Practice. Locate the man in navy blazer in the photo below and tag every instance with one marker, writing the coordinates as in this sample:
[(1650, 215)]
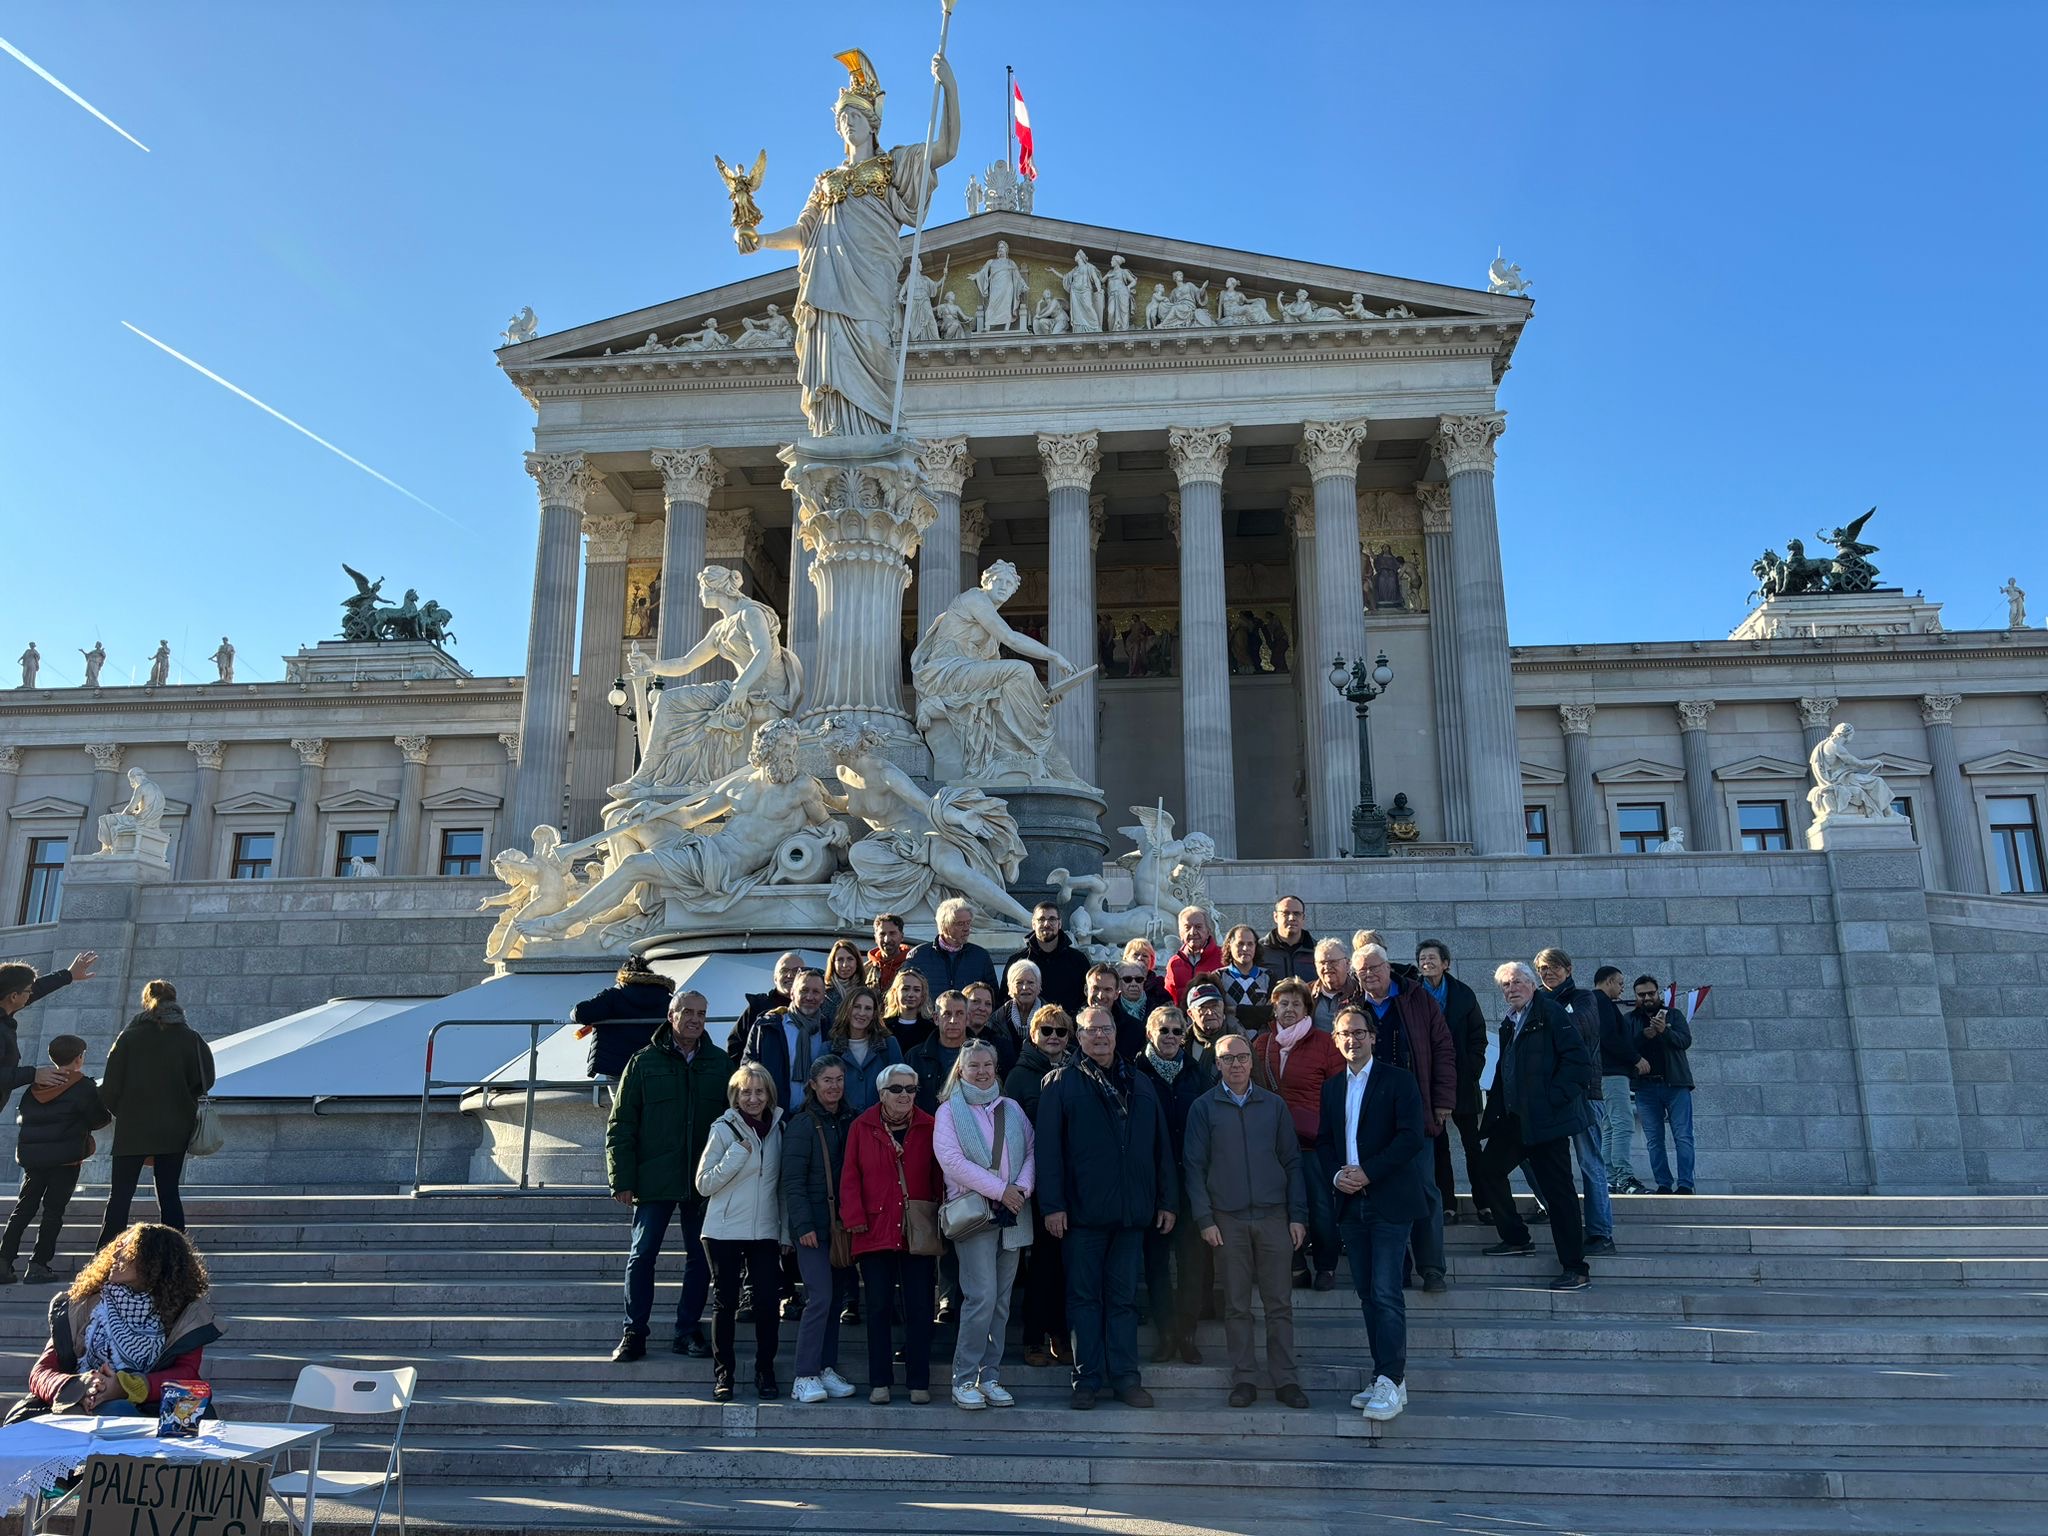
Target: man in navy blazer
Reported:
[(1373, 1132)]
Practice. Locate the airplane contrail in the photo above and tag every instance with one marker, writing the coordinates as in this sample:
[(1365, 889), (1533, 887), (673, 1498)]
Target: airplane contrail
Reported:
[(9, 48), (280, 415)]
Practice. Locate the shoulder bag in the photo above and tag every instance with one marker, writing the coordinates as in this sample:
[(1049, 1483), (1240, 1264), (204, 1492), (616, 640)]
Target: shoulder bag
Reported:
[(841, 1249), (920, 1217), (968, 1213), (207, 1135)]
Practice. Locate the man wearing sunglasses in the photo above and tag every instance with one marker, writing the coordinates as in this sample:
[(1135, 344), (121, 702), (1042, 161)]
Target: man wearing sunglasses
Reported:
[(1176, 1263), (1044, 1311)]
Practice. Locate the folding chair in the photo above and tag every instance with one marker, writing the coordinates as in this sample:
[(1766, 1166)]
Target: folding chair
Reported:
[(326, 1391)]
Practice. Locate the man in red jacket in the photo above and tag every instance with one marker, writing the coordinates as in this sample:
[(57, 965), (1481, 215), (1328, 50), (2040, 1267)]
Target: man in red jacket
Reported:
[(1198, 954), (1412, 1035)]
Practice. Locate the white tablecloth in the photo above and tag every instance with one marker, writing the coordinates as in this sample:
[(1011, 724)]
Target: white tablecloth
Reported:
[(35, 1453)]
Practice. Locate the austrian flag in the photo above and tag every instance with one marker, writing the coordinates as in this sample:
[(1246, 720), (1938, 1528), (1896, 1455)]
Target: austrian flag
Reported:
[(1026, 162)]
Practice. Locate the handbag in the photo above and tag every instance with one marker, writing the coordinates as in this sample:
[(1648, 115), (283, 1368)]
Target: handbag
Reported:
[(968, 1213), (920, 1217), (840, 1251), (207, 1135)]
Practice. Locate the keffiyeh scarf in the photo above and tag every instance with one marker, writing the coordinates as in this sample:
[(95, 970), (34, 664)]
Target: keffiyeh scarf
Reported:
[(123, 1331)]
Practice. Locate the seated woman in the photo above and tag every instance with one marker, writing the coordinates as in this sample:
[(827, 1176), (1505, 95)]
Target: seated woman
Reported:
[(135, 1318)]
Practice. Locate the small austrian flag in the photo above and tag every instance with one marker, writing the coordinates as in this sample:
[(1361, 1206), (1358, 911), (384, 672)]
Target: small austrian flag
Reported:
[(1027, 163), (1687, 1003)]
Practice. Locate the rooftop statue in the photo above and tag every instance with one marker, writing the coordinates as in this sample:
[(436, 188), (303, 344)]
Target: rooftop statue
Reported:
[(364, 618), (1852, 570), (1004, 300), (1236, 307), (224, 660), (1303, 310), (2015, 603), (1504, 276), (1119, 283), (1795, 575), (95, 659), (916, 297), (160, 665), (1845, 784), (1083, 282), (31, 664), (769, 332), (848, 258), (521, 327)]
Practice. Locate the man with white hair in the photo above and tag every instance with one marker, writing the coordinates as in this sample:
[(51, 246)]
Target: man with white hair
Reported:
[(761, 1004), (1336, 987), (1198, 955), (951, 960), (1536, 1106)]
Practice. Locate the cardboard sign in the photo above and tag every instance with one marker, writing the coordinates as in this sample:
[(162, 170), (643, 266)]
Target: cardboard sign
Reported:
[(136, 1496)]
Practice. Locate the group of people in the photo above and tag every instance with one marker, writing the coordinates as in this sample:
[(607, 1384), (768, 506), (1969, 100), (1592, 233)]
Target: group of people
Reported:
[(916, 1135)]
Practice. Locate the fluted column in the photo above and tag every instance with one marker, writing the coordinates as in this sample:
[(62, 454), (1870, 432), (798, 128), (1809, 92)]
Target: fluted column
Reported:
[(1706, 834), (1198, 456), (1310, 662), (1438, 564), (1330, 450), (947, 466), (109, 791), (195, 853), (302, 843), (688, 477), (565, 482), (1813, 720), (403, 856), (1589, 826), (803, 593), (1070, 461), (973, 534), (1962, 853), (10, 781), (1486, 684), (594, 767)]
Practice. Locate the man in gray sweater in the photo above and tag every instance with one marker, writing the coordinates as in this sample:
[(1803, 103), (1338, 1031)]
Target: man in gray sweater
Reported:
[(1247, 1198)]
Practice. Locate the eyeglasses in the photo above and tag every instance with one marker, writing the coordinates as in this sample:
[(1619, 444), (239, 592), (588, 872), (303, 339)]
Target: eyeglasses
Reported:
[(1168, 1029), (1130, 981), (899, 1088), (1235, 1057), (1052, 1034)]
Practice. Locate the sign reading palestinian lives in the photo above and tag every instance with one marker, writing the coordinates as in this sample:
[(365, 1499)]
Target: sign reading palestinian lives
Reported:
[(137, 1496)]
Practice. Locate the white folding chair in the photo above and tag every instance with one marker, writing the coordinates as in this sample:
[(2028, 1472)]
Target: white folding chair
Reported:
[(327, 1391)]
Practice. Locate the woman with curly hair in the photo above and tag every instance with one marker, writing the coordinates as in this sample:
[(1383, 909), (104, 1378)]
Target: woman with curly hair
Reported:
[(135, 1318)]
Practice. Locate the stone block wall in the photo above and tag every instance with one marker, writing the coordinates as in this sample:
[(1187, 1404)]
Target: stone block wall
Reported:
[(1991, 955)]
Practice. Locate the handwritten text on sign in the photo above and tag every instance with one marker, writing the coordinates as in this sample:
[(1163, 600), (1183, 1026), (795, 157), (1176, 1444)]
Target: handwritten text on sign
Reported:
[(131, 1496)]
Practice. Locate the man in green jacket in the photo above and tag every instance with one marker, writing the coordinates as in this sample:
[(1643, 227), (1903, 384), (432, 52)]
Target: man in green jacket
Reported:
[(668, 1096)]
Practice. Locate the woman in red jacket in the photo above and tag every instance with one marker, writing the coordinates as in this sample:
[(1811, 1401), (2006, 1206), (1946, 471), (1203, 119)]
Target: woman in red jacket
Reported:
[(1295, 1059), (889, 1160), (135, 1318)]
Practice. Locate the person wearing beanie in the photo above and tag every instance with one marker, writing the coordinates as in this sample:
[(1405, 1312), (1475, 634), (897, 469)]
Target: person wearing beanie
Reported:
[(57, 1122), (623, 1017)]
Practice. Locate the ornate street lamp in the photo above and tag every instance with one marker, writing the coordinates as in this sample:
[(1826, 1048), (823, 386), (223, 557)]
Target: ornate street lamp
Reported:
[(1368, 821), (622, 707)]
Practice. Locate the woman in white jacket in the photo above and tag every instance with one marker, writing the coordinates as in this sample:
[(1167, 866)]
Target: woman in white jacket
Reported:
[(983, 1143), (740, 1174)]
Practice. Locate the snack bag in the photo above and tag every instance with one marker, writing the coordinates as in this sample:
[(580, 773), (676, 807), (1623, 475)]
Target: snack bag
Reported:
[(183, 1405)]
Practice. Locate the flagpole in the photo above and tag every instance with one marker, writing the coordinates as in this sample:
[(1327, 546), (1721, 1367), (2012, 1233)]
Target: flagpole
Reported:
[(931, 129), (1009, 114)]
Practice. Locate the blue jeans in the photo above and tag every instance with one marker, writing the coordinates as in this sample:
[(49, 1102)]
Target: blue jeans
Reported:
[(650, 1226), (1593, 1175), (1621, 1128), (1319, 1253), (1660, 1105), (1102, 1304), (1376, 1249)]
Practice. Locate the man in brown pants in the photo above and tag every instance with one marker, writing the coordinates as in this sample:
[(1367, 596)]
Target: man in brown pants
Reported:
[(1247, 1198)]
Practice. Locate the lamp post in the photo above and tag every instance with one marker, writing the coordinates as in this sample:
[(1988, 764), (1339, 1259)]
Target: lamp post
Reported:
[(1368, 821), (618, 699)]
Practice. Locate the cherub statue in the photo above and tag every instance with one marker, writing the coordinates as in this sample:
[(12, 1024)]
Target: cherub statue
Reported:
[(1356, 310), (1166, 877), (537, 885), (741, 186)]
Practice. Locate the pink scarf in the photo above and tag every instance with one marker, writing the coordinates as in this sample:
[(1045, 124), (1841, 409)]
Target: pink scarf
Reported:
[(1292, 1036)]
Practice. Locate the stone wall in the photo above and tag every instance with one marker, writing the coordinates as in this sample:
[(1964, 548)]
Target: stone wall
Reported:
[(1989, 957)]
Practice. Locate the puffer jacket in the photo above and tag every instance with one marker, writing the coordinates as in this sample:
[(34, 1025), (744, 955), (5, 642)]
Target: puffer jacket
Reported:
[(740, 1176), (57, 1124), (1309, 1065), (813, 1151), (621, 1020), (662, 1117)]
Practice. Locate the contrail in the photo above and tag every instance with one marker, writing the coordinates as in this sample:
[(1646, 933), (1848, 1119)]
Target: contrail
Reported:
[(280, 415), (9, 48)]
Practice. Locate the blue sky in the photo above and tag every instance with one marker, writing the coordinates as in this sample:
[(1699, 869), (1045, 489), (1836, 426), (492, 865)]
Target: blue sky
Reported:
[(1785, 259)]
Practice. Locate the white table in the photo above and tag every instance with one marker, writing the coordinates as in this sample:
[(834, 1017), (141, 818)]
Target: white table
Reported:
[(64, 1442)]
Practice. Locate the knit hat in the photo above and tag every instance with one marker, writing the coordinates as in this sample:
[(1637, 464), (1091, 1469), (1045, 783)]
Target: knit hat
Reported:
[(66, 1049)]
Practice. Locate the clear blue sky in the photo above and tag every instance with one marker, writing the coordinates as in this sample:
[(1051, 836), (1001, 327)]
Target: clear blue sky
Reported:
[(1786, 258)]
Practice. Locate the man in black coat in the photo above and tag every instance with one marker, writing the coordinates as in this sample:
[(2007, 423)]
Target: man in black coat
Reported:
[(1105, 1178), (623, 1017), (1062, 969), (1467, 1020), (1177, 1273), (1289, 949), (950, 961), (1596, 1017), (1536, 1106), (788, 1040), (20, 986), (761, 1004), (1370, 1146)]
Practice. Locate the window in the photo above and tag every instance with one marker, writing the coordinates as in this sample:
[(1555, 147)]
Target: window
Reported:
[(2016, 839), (349, 846), (1903, 806), (1765, 826), (44, 887), (1536, 828), (255, 856), (462, 851), (1642, 827)]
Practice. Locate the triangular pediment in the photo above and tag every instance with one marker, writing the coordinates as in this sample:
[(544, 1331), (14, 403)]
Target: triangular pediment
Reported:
[(359, 800), (253, 804), (1640, 770), (661, 335), (46, 808), (1898, 765), (1536, 773), (463, 798), (2008, 762), (1762, 767)]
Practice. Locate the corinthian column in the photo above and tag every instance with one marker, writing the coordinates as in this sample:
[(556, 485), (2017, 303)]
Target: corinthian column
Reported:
[(302, 846), (595, 764), (688, 477), (1438, 563), (109, 793), (565, 482), (1707, 833), (403, 857), (1813, 720), (973, 534), (947, 465), (1962, 854), (1198, 456), (803, 592), (1070, 461), (195, 854), (1589, 827), (1308, 668), (1486, 685), (1330, 450)]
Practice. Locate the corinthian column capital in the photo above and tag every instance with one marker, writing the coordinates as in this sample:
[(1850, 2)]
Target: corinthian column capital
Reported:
[(1301, 513), (973, 526), (562, 477), (1330, 448), (1576, 719), (1692, 713), (413, 749), (1814, 712), (687, 474), (106, 756), (1466, 442), (947, 464), (211, 754), (1939, 708), (509, 740), (732, 534), (1435, 501), (608, 534), (1198, 454), (312, 751), (1070, 459), (10, 759)]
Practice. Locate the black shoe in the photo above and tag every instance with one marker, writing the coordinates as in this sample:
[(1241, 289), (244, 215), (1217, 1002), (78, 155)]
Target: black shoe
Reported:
[(1292, 1396), (1168, 1348), (1303, 1279), (792, 1309), (1541, 1218), (766, 1387), (632, 1346), (1665, 1189), (1189, 1354), (7, 1274), (1572, 1280), (694, 1344), (1484, 1218), (1599, 1245), (1326, 1279), (1434, 1283), (944, 1317), (1134, 1396), (850, 1313), (1451, 1217), (1633, 1186), (1509, 1250), (1243, 1395), (1084, 1397), (1683, 1189), (721, 1388)]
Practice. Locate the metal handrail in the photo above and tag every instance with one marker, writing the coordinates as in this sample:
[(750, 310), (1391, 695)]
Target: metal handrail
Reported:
[(533, 1083)]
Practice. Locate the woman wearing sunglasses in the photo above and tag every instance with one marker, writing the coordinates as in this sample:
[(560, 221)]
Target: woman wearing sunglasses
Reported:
[(890, 1165), (1045, 1277)]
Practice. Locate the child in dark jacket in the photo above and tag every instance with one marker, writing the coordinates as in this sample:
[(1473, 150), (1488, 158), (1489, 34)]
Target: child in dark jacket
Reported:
[(57, 1123)]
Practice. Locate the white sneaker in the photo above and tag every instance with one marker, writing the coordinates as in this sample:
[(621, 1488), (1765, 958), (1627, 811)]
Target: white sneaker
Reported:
[(1403, 1390), (1360, 1399), (969, 1397), (808, 1389), (997, 1395), (1384, 1401), (835, 1384)]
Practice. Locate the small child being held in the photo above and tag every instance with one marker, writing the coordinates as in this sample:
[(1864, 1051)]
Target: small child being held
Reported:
[(57, 1123)]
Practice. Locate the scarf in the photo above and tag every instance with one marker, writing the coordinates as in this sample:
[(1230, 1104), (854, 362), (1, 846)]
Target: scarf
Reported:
[(974, 1133), (123, 1331), (1287, 1039), (761, 1125), (1167, 1070), (1114, 1083), (1437, 991)]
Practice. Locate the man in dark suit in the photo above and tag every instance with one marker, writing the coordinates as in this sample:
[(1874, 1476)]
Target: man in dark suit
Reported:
[(1370, 1145), (1536, 1106)]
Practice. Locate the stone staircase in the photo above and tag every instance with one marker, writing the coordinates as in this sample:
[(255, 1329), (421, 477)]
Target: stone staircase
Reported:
[(1744, 1364)]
